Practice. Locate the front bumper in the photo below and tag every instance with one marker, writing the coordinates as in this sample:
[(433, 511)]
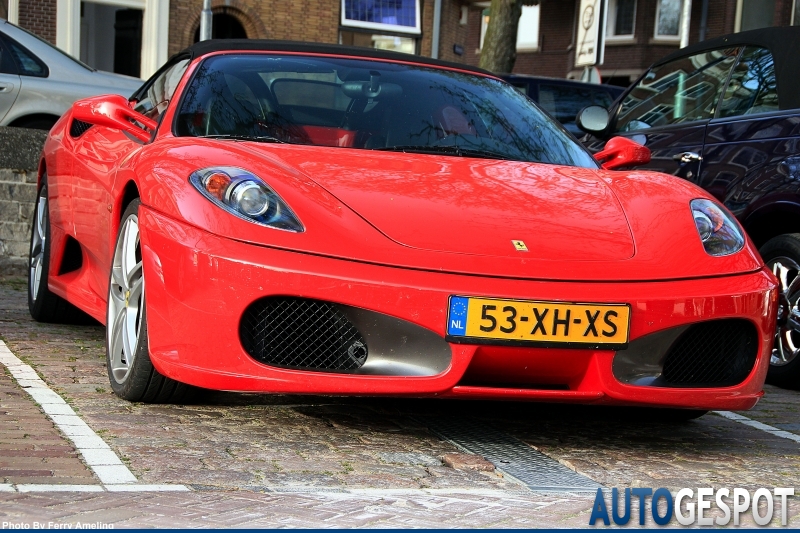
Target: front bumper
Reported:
[(198, 286)]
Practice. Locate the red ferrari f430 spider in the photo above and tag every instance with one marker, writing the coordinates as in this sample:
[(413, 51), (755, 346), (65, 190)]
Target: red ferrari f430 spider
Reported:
[(288, 218)]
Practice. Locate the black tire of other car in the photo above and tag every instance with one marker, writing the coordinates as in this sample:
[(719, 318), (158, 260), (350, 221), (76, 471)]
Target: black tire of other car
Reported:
[(130, 370), (43, 305), (782, 256), (37, 123)]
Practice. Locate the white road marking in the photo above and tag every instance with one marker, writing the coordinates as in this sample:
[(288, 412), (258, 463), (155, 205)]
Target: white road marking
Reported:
[(97, 455), (758, 425), (29, 487), (128, 487)]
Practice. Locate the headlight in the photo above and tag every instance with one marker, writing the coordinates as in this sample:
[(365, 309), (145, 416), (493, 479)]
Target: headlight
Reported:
[(720, 233), (243, 194)]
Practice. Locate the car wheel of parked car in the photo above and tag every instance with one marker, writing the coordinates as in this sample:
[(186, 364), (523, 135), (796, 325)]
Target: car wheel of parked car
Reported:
[(130, 370), (41, 123), (782, 255), (43, 304)]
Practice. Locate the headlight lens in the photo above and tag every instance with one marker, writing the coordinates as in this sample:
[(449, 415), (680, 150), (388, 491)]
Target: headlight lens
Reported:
[(719, 232), (245, 195)]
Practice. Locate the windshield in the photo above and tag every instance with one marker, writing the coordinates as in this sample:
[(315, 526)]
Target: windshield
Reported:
[(372, 105)]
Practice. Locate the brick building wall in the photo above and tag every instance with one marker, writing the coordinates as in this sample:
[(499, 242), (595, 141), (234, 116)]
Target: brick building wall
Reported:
[(555, 56), (307, 20), (452, 32), (4, 9), (39, 16), (318, 21)]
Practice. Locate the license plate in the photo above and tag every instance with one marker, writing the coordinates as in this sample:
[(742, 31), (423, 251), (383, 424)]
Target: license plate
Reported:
[(474, 320)]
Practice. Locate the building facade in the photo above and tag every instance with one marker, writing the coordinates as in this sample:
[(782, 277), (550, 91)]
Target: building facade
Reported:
[(136, 36), (638, 32)]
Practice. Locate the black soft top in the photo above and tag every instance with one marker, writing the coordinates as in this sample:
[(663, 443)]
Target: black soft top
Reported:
[(784, 44), (263, 45)]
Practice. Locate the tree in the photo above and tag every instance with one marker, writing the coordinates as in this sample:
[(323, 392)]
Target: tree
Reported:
[(499, 50)]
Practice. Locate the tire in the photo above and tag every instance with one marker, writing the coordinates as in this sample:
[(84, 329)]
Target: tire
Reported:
[(782, 256), (43, 305), (130, 370), (41, 123)]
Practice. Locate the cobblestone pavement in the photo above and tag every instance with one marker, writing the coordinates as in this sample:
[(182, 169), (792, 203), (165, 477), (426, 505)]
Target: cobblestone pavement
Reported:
[(277, 460)]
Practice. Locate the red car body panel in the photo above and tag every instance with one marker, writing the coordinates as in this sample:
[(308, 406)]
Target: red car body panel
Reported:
[(206, 355), (398, 234)]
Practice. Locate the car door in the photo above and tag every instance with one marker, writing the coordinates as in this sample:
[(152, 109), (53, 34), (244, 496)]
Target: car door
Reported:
[(669, 108), (9, 81), (752, 152)]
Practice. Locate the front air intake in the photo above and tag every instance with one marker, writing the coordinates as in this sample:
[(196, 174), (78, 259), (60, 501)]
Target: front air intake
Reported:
[(717, 353), (303, 334)]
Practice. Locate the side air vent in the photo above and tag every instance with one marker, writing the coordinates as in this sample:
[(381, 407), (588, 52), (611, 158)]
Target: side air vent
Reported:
[(78, 128), (72, 259), (303, 334), (717, 353)]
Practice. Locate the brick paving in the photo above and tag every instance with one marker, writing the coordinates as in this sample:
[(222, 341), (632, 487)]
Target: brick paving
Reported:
[(237, 450), (31, 449), (250, 509)]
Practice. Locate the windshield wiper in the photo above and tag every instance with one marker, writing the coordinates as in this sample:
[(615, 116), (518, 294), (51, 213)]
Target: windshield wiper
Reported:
[(446, 150), (254, 138)]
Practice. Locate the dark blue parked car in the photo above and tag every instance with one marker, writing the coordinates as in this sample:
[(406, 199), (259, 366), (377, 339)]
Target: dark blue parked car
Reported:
[(725, 114), (563, 99)]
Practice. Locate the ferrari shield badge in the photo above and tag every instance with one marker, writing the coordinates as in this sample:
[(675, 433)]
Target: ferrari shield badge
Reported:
[(519, 246)]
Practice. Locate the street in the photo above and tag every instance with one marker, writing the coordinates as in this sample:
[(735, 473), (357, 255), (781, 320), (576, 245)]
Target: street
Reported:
[(235, 460)]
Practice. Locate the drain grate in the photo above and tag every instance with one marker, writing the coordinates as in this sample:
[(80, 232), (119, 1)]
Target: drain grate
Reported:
[(510, 456)]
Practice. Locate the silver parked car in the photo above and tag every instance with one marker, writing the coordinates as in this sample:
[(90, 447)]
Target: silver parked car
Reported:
[(38, 82)]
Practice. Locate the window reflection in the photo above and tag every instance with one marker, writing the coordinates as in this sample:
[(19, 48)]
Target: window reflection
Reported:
[(683, 90), (753, 87)]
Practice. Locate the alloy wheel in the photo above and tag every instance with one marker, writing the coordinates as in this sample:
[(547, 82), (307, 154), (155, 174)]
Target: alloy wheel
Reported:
[(38, 240), (787, 333), (125, 301)]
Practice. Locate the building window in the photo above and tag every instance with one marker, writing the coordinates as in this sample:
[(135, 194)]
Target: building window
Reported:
[(386, 15), (527, 31), (621, 19), (668, 19), (754, 14)]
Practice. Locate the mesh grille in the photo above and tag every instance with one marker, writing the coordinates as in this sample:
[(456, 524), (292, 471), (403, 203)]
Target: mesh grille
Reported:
[(718, 353), (78, 128), (301, 333)]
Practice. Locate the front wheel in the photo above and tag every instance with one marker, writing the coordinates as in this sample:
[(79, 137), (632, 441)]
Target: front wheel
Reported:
[(130, 370), (782, 256)]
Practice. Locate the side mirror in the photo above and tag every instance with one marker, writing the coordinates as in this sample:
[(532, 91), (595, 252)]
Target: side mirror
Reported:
[(622, 152), (113, 111), (593, 119)]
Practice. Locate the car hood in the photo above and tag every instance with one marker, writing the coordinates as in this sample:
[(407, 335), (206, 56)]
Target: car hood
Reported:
[(480, 206), (450, 214)]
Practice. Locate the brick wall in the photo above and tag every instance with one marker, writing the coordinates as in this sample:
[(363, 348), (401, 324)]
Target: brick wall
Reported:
[(39, 16), (452, 32), (17, 196), (299, 20), (555, 56), (18, 162)]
